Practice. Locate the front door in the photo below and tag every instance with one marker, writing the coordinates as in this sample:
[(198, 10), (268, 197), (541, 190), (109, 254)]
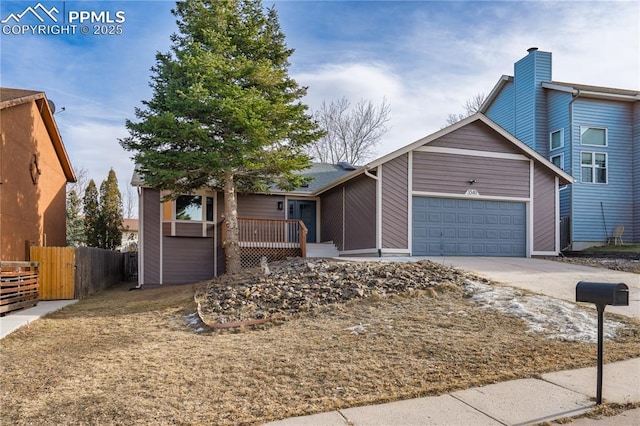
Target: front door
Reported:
[(304, 210)]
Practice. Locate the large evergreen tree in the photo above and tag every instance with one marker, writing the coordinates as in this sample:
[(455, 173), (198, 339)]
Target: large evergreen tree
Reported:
[(75, 222), (110, 212), (224, 112), (92, 222)]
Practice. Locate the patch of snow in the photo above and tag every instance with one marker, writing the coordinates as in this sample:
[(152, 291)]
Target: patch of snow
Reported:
[(192, 319), (357, 329), (558, 319)]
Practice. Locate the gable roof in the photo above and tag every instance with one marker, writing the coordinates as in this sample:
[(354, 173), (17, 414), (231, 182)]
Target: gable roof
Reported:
[(12, 97), (565, 178)]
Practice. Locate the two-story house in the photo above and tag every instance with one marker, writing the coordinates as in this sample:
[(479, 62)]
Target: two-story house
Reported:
[(592, 133), (34, 172)]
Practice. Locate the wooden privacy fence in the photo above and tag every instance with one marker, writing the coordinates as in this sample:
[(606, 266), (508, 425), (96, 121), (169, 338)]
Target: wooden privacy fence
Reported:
[(18, 285), (96, 270), (75, 273), (56, 271), (274, 239)]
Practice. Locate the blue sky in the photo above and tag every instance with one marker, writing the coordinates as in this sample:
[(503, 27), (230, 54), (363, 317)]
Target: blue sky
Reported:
[(425, 57)]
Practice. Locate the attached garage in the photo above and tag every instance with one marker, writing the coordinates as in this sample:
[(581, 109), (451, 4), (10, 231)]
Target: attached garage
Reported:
[(471, 189), (462, 227)]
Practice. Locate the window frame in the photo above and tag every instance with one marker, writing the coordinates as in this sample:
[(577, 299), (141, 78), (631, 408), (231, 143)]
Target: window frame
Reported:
[(169, 215), (561, 155), (561, 131), (203, 207), (594, 168), (174, 206), (606, 136)]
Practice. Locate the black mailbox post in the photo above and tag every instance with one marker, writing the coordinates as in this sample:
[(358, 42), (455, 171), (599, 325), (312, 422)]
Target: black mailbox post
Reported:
[(602, 294)]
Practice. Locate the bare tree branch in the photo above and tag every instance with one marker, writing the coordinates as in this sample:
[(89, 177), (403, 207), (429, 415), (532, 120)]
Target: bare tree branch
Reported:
[(470, 106), (129, 202), (351, 133)]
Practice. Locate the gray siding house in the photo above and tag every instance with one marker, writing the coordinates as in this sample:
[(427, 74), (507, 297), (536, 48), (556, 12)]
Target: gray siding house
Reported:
[(471, 189)]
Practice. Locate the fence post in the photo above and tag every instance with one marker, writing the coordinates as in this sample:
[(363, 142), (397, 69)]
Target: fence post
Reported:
[(303, 238)]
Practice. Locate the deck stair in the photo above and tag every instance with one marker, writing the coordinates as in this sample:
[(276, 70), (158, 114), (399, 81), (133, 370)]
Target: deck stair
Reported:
[(327, 249)]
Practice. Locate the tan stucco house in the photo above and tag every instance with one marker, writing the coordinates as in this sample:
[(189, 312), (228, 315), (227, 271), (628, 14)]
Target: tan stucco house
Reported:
[(34, 171)]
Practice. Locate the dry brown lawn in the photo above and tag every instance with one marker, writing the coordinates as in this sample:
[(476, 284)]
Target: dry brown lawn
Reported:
[(129, 357)]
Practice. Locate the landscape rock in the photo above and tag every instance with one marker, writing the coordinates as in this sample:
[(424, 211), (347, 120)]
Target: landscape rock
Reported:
[(297, 285)]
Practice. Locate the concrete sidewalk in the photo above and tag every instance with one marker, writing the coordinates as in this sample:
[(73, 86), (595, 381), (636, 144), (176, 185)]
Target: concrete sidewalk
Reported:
[(11, 322), (517, 402)]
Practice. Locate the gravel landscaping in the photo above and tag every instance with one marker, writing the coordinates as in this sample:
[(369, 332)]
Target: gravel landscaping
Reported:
[(617, 264)]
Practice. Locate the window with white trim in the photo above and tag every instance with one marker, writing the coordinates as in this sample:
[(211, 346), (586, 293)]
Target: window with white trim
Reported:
[(558, 160), (593, 167), (593, 136), (190, 208), (556, 139)]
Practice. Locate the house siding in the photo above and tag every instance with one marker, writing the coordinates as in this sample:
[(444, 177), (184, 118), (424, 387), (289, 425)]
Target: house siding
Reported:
[(29, 212), (151, 235), (544, 201), (260, 206), (502, 108), (185, 229), (449, 173), (530, 108), (636, 172), (395, 203), (331, 212), (187, 260), (360, 213), (475, 136), (559, 117), (598, 208)]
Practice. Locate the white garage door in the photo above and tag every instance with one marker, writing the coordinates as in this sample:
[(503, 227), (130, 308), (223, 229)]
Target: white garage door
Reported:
[(451, 227)]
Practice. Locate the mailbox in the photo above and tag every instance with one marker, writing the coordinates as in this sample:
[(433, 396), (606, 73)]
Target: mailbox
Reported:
[(603, 294)]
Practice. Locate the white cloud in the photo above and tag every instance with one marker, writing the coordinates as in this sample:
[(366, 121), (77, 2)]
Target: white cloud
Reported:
[(94, 146)]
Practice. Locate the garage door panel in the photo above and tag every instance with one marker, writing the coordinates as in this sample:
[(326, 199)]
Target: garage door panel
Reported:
[(468, 227), (491, 219), (449, 218), (451, 233), (464, 233), (478, 234), (506, 234), (489, 249), (464, 218)]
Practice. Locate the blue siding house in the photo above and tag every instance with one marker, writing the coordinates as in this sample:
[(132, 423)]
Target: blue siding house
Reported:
[(592, 133)]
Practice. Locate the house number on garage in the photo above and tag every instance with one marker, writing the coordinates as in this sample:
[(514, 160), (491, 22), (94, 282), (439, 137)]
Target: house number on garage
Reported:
[(472, 192)]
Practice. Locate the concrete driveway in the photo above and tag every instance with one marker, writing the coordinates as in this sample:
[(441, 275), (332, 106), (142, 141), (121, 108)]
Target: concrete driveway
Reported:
[(556, 279)]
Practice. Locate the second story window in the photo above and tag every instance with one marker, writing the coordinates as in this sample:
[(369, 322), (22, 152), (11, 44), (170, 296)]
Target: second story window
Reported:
[(189, 207), (556, 139), (558, 161), (593, 167), (594, 136)]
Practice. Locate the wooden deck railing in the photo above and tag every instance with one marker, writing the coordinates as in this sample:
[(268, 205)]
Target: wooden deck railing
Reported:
[(272, 238), (18, 285)]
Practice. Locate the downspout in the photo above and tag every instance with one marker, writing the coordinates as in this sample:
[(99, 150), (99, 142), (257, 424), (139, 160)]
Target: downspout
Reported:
[(140, 239), (574, 96), (378, 207)]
